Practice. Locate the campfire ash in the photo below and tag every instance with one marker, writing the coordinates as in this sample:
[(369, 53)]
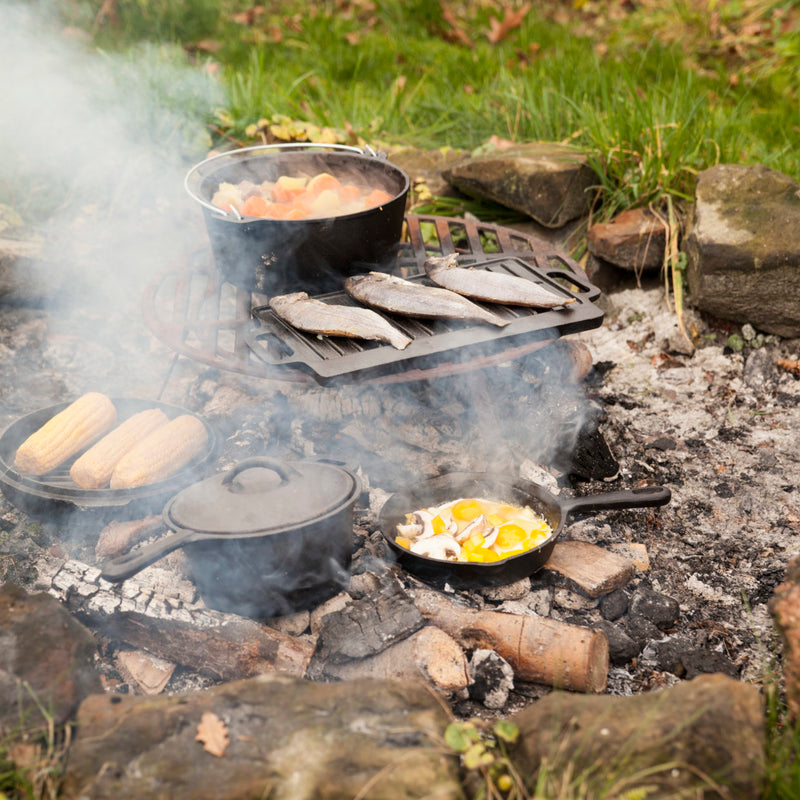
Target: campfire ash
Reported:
[(524, 412)]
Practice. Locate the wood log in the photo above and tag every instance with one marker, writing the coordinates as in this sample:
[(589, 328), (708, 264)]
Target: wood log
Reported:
[(430, 655), (596, 570), (225, 646), (539, 650), (237, 648)]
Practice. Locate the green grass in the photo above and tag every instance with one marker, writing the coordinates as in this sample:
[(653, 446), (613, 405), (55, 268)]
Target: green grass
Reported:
[(653, 96)]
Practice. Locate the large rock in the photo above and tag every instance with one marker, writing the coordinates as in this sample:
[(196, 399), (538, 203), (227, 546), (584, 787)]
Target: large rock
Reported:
[(549, 182), (283, 738), (784, 606), (46, 661), (743, 248), (634, 240), (701, 738)]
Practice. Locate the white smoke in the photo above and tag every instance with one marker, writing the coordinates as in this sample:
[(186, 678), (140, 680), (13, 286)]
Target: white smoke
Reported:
[(94, 150)]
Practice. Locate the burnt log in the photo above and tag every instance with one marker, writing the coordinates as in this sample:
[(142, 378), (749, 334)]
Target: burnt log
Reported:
[(222, 646), (429, 655)]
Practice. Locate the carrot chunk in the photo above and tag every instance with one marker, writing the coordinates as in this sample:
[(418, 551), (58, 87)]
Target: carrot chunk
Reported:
[(254, 206), (287, 188), (349, 192), (323, 182), (377, 197)]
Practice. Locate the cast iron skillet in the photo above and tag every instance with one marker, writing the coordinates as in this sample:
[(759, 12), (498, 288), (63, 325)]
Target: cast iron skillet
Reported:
[(55, 493), (556, 510)]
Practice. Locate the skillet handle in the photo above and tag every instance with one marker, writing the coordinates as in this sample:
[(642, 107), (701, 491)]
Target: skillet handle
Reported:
[(642, 497), (122, 567)]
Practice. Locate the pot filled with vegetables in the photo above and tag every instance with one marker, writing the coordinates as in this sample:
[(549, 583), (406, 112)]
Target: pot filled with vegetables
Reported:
[(299, 217), (488, 528)]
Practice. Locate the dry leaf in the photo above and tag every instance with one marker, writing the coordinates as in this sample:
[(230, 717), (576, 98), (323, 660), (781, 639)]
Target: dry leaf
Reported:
[(208, 45), (789, 365), (501, 28), (456, 32), (213, 733)]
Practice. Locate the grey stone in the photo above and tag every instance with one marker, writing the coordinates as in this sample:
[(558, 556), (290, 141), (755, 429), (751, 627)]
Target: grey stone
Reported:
[(760, 372), (492, 678), (702, 661), (506, 592), (621, 647), (549, 182), (641, 629), (614, 605), (671, 739), (743, 248)]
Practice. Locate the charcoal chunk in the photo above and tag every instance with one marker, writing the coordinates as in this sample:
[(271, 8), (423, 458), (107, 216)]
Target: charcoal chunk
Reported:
[(614, 605), (661, 610)]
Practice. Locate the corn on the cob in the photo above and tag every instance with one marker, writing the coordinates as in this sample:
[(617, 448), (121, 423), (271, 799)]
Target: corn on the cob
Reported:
[(161, 454), (93, 469), (66, 433)]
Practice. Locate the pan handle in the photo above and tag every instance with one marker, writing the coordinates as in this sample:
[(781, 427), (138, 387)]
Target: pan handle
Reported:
[(644, 496), (122, 567)]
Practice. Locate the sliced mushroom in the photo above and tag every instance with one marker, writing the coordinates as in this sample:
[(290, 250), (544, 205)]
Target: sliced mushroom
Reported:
[(476, 526), (442, 546), (425, 517), (490, 536), (411, 530)]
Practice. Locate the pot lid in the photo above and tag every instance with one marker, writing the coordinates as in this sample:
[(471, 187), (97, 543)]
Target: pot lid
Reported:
[(261, 496)]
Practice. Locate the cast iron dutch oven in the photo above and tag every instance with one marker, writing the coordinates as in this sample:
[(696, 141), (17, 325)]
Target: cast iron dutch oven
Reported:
[(556, 510), (264, 538), (313, 255)]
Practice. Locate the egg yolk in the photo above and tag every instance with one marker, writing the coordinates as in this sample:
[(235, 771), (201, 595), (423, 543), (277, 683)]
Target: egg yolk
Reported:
[(483, 554), (510, 535), (467, 509)]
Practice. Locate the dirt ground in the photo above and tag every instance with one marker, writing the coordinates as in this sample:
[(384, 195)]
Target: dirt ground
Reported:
[(720, 428)]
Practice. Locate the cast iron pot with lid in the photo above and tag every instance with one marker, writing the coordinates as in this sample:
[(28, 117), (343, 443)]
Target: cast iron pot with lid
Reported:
[(262, 539), (555, 510), (277, 256)]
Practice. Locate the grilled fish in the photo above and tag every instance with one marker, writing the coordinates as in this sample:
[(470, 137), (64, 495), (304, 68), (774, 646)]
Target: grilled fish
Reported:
[(398, 296), (491, 287), (314, 316)]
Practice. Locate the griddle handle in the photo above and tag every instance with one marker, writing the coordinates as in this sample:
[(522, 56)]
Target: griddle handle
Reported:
[(643, 497), (124, 566)]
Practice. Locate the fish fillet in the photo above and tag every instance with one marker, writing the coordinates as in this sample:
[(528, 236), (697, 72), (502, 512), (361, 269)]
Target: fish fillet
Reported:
[(491, 287), (314, 316), (398, 296)]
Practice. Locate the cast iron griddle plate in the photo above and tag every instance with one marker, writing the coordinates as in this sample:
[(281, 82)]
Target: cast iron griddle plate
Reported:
[(328, 357), (57, 484)]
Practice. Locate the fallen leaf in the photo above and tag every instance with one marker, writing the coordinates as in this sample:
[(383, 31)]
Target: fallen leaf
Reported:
[(456, 31), (208, 45), (499, 29), (213, 733), (789, 365)]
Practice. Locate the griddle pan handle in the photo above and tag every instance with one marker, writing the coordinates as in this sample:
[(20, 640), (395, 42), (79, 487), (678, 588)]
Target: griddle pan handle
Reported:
[(122, 567), (642, 497)]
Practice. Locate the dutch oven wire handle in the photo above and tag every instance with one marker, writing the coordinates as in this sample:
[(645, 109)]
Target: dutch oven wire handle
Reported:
[(285, 472), (642, 497)]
